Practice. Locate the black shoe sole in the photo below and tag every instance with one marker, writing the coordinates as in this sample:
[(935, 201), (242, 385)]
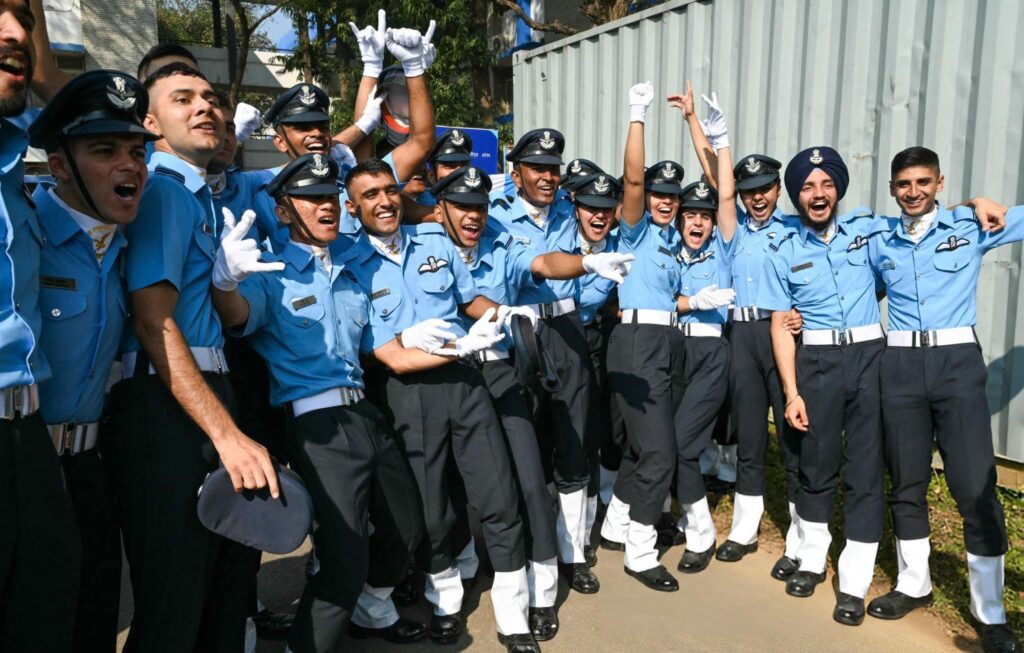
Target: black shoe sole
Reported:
[(744, 549), (696, 570), (841, 618), (894, 617), (358, 632), (657, 588), (804, 596), (445, 641), (609, 545)]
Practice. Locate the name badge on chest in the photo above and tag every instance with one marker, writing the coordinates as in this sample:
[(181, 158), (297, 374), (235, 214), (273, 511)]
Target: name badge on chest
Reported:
[(58, 283), (377, 294), (304, 302), (802, 266)]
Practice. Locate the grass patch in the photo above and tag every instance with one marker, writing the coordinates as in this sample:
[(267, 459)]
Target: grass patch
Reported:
[(948, 558)]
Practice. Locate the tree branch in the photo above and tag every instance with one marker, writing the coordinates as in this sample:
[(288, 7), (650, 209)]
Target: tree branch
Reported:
[(557, 27), (280, 5)]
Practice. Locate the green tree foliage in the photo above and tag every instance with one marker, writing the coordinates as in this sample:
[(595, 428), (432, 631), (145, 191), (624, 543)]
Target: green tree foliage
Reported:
[(190, 22)]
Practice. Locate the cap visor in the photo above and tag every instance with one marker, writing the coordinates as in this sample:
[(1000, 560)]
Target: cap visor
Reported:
[(325, 188), (453, 157), (757, 181), (466, 198), (670, 189), (112, 126), (541, 159), (597, 201), (305, 116), (698, 204)]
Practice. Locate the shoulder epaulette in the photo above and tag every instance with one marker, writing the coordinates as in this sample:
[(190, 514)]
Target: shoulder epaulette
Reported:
[(774, 246), (427, 228), (963, 213), (174, 174), (501, 201), (502, 239), (857, 214)]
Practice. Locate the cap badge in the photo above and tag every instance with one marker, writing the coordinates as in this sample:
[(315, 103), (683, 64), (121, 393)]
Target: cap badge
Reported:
[(702, 191), (546, 141), (320, 167), (472, 178), (816, 157), (306, 96), (668, 172), (457, 138), (601, 185), (120, 96), (576, 167), (753, 165)]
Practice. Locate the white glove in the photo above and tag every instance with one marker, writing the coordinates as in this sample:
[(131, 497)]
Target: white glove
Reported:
[(238, 256), (371, 44), (247, 121), (640, 98), (344, 157), (484, 334), (371, 113), (486, 326), (408, 46), (609, 265), (427, 335), (714, 125), (429, 51), (506, 312), (710, 297)]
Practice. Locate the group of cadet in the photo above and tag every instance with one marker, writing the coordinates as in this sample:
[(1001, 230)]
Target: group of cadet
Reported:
[(530, 348)]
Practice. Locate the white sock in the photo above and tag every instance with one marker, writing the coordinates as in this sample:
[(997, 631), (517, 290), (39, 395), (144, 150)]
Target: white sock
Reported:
[(915, 578), (813, 553), (571, 526), (857, 567), (793, 534), (986, 578), (616, 521), (543, 581), (444, 591), (746, 518), (467, 561), (374, 608), (510, 596), (607, 483), (591, 517), (641, 551), (700, 527)]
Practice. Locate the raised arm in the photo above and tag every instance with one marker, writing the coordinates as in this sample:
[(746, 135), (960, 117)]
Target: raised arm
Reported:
[(633, 205), (718, 137), (372, 43), (410, 47), (705, 153)]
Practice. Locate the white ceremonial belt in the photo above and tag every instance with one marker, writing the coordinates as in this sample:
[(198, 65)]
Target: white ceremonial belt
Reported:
[(749, 314), (486, 355), (327, 399), (554, 309), (933, 337), (73, 438), (701, 330), (18, 400), (649, 316), (843, 336), (208, 359)]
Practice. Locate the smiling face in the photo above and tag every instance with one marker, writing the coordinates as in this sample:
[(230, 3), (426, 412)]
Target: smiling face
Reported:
[(663, 207), (375, 201), (319, 214), (915, 189), (186, 113), (760, 203), (696, 226), (113, 170), (818, 199), (222, 160), (17, 55), (296, 139), (463, 222), (538, 183), (595, 223)]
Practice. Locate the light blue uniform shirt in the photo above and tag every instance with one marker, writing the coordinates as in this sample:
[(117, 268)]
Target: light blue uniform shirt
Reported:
[(710, 265), (500, 269), (654, 279), (832, 285), (595, 289), (750, 249), (508, 215), (310, 325), (21, 361), (933, 284), (172, 239), (431, 281), (243, 191), (84, 312)]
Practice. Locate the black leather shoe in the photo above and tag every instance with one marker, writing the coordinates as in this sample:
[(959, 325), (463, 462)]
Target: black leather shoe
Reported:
[(522, 643), (403, 631), (445, 630), (802, 583), (272, 626), (694, 562), (657, 578), (581, 578), (590, 555), (896, 605), (612, 545), (734, 551), (784, 568), (849, 610), (999, 639), (543, 623), (407, 591)]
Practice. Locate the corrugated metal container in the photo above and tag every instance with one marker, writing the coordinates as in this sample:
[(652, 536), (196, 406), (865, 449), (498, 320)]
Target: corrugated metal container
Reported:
[(869, 77)]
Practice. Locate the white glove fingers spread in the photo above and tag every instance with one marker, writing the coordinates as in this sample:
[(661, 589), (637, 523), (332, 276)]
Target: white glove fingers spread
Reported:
[(430, 32)]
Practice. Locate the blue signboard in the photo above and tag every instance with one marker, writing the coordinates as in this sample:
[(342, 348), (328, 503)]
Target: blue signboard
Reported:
[(485, 147)]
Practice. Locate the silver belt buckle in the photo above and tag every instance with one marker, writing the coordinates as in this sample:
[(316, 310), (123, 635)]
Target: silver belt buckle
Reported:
[(222, 363), (480, 356), (8, 395), (926, 338), (748, 313), (63, 436), (349, 396), (674, 319), (20, 400), (546, 310), (842, 337)]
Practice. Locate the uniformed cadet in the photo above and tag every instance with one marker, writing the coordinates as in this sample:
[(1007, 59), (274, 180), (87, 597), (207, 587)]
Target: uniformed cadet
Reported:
[(541, 217), (753, 378), (169, 421), (92, 132), (578, 169), (413, 273), (831, 379), (39, 551), (933, 381), (645, 352), (501, 267), (452, 150)]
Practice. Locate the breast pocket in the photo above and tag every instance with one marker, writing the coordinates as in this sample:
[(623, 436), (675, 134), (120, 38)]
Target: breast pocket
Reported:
[(952, 260), (891, 274), (438, 282), (65, 339), (808, 284), (205, 242), (305, 324), (857, 256), (386, 303)]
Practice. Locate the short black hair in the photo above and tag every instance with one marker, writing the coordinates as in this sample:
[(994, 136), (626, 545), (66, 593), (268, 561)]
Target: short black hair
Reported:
[(225, 102), (913, 157), (369, 167), (165, 50), (171, 69)]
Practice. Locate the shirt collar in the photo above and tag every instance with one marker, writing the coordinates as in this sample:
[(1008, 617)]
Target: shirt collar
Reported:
[(54, 217), (193, 181), (298, 254), (807, 232), (13, 142)]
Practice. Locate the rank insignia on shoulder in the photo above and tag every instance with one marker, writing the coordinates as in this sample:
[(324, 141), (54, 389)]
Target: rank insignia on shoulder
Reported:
[(771, 235), (951, 244), (802, 266), (377, 294), (433, 265), (858, 242), (58, 283), (304, 302)]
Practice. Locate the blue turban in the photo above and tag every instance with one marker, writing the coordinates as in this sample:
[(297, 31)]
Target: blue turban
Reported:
[(803, 164)]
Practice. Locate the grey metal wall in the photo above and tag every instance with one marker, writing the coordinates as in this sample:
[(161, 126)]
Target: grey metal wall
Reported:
[(869, 77)]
